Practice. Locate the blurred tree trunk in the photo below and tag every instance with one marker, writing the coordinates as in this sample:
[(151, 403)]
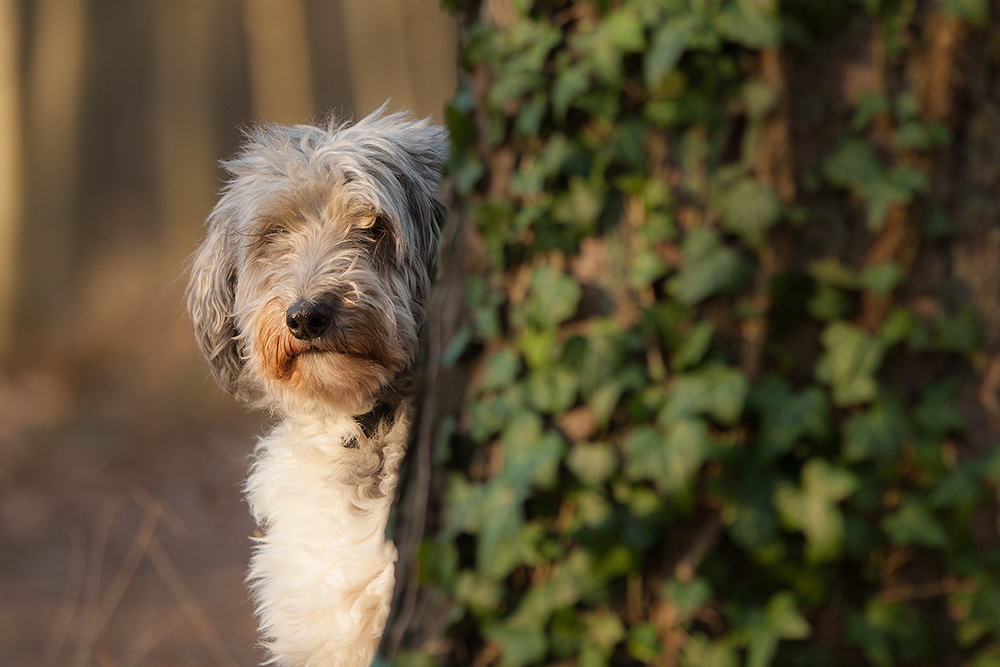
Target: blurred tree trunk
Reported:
[(376, 53), (185, 107), (52, 122), (281, 86), (11, 195), (405, 48)]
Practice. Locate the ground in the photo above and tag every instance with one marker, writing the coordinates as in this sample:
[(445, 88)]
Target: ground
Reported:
[(125, 535)]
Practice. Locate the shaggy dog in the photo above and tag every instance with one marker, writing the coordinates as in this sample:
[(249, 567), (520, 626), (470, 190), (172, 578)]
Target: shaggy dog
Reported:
[(306, 298)]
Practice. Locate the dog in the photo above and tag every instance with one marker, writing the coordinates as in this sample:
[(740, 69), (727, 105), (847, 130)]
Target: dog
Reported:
[(306, 297)]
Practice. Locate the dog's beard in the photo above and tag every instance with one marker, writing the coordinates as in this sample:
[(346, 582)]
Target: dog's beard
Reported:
[(343, 370)]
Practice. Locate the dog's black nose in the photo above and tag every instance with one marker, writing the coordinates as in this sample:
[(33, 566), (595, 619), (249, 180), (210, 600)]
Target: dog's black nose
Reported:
[(308, 319)]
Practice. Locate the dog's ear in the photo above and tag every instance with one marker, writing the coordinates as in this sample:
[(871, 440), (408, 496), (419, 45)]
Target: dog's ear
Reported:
[(210, 297)]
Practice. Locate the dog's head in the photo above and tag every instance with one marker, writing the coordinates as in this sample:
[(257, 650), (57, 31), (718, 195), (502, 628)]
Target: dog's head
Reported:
[(307, 292)]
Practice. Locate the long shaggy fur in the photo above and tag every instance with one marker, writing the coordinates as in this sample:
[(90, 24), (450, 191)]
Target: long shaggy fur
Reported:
[(347, 217)]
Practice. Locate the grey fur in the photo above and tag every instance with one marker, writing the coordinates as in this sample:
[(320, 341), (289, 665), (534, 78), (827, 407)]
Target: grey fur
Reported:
[(294, 221)]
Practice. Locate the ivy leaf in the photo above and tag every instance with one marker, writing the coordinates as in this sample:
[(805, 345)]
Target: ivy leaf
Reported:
[(669, 460), (709, 268), (500, 518), (592, 463), (694, 346), (667, 47), (882, 279), (606, 43), (749, 24), (976, 12), (781, 620), (521, 644), (880, 196), (700, 651), (937, 413), (849, 362), (644, 643), (748, 209), (786, 417), (501, 369), (687, 596), (718, 391), (875, 434), (531, 455), (812, 508), (570, 83), (915, 523), (552, 298), (552, 389), (854, 164)]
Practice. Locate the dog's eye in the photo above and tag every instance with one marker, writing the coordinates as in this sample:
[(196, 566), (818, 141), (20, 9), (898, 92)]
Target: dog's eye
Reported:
[(378, 232), (273, 232), (379, 237)]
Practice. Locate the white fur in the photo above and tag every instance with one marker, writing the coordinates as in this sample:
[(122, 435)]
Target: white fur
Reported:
[(322, 572)]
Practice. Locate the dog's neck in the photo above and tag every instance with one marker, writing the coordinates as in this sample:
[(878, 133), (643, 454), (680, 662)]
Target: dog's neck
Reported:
[(380, 419), (383, 411)]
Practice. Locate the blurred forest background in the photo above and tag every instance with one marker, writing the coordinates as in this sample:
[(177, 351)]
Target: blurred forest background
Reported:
[(125, 535)]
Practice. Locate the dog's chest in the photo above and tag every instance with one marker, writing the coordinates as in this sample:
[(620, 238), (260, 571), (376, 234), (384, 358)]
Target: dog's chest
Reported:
[(322, 571)]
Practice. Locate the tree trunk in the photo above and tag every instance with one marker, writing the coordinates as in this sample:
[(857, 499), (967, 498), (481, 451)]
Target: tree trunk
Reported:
[(11, 195), (729, 388)]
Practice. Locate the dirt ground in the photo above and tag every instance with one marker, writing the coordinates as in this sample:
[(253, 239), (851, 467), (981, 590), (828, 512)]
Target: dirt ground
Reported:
[(124, 534)]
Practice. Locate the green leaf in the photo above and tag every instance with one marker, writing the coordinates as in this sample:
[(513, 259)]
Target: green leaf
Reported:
[(604, 629), (856, 167), (687, 596), (914, 523), (812, 508), (501, 369), (869, 106), (786, 417), (552, 298), (693, 348), (547, 163), (670, 460), (937, 413), (752, 521), (531, 455), (520, 645), (875, 434), (976, 12), (781, 620), (500, 517), (569, 84), (880, 196), (709, 268), (959, 332), (606, 43), (700, 651), (552, 389), (853, 165), (716, 390), (749, 23), (747, 209), (882, 279), (849, 363), (668, 45), (592, 463), (644, 643)]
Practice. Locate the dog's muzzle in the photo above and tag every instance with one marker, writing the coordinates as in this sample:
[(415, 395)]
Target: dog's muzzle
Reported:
[(308, 320)]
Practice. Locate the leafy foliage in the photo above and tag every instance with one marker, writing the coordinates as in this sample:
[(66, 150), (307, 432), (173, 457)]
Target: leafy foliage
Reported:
[(717, 414)]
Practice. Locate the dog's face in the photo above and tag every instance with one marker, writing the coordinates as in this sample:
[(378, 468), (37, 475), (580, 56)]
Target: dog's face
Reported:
[(307, 293)]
